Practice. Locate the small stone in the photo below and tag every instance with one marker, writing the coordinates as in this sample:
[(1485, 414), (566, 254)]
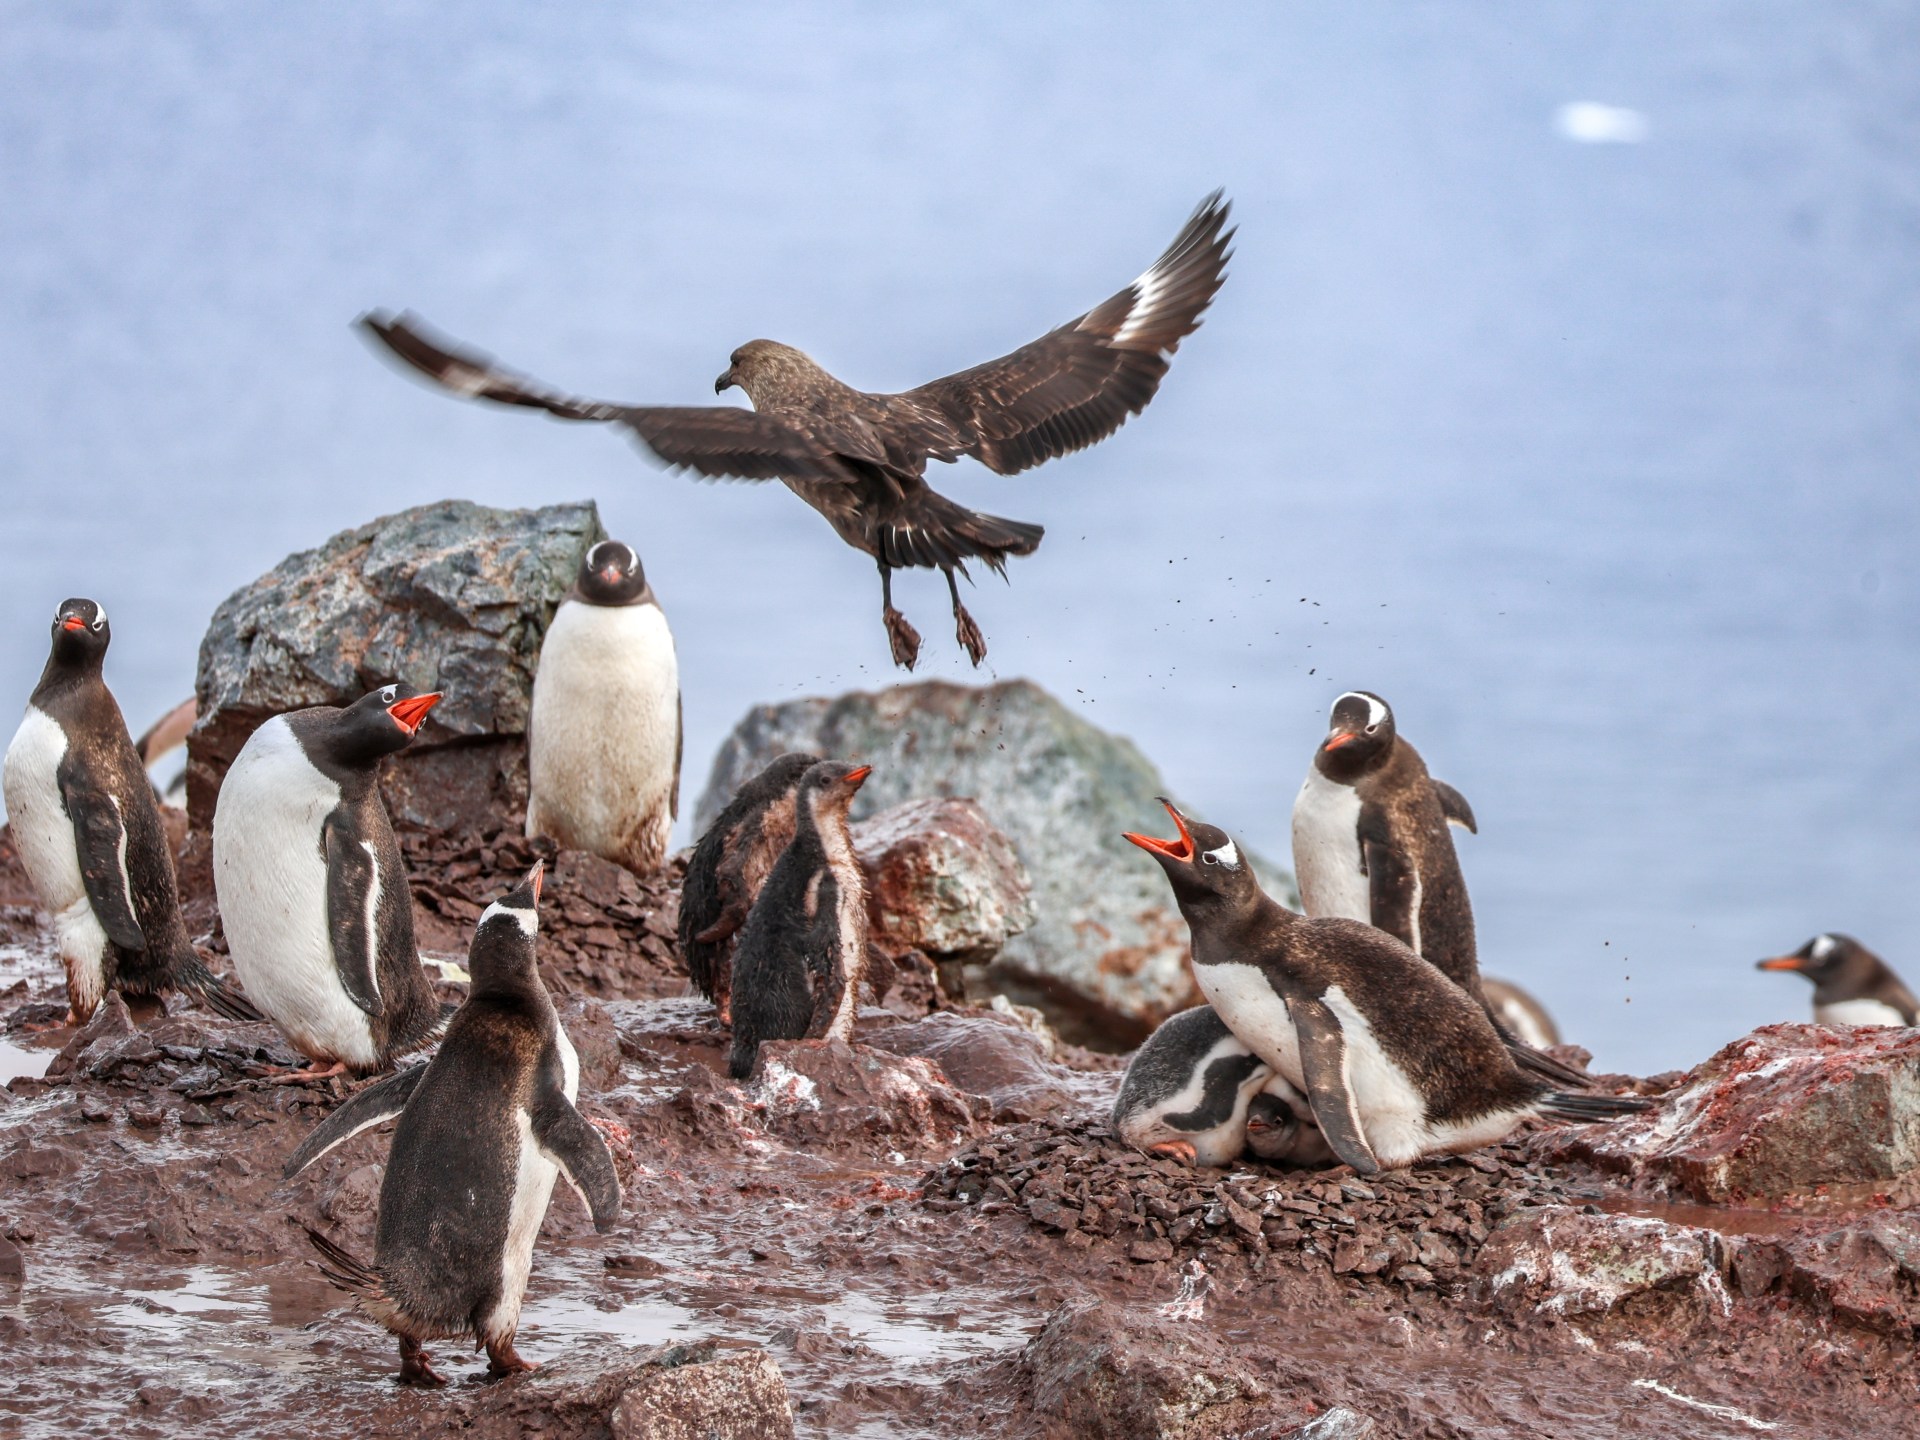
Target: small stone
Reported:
[(1149, 1250)]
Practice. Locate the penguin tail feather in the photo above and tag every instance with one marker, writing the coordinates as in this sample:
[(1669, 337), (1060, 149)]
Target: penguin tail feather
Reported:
[(216, 992), (1593, 1107), (344, 1271), (1539, 1063)]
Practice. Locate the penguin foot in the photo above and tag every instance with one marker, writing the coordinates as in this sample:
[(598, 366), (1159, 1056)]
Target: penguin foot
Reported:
[(901, 635), (415, 1368), (503, 1360), (968, 634), (308, 1075), (1181, 1150)]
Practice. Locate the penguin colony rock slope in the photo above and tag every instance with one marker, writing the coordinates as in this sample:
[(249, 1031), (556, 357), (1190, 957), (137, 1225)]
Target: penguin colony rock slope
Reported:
[(1395, 1059), (727, 868), (1189, 1093), (604, 739), (1371, 842), (84, 815), (803, 949), (311, 885), (486, 1127), (860, 459), (1851, 984)]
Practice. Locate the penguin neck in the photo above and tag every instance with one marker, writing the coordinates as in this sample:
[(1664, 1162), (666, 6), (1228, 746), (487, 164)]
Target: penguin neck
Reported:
[(71, 676), (822, 833), (512, 981), (1226, 931)]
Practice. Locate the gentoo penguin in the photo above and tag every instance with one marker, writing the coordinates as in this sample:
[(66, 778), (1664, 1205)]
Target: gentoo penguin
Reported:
[(1371, 843), (803, 950), (84, 815), (1396, 1060), (1281, 1128), (604, 740), (485, 1128), (311, 886), (729, 866), (1187, 1088), (1851, 984), (1517, 1013)]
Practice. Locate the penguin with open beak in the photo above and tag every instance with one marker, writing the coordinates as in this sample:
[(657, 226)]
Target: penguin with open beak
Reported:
[(1395, 1060)]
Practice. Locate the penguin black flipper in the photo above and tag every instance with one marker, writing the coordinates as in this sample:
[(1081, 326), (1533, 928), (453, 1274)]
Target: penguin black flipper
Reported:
[(1454, 806), (1538, 1062), (563, 1133), (216, 992), (1323, 1061), (352, 887), (100, 836), (379, 1102), (1392, 891)]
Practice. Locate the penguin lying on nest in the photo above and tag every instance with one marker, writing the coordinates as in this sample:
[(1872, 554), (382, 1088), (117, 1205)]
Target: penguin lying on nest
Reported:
[(486, 1127), (727, 869), (803, 950), (87, 823), (1396, 1060), (1372, 842), (1195, 1093)]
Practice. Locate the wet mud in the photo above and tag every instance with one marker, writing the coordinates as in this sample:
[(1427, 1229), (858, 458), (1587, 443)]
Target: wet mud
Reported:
[(929, 1233)]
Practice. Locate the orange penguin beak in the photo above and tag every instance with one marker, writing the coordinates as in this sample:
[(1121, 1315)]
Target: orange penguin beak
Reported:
[(408, 714), (73, 622), (1782, 962), (855, 778), (539, 872), (1180, 849), (1339, 738)]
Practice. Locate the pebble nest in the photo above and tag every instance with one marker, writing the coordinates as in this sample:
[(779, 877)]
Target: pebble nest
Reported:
[(1420, 1227)]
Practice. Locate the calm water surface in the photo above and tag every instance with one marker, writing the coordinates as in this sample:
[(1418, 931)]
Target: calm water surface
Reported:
[(1598, 460)]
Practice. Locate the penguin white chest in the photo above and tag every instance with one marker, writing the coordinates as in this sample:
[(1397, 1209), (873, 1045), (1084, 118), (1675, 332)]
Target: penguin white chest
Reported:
[(534, 1176), (270, 876), (1326, 850), (1256, 1014), (1857, 1012), (37, 816), (604, 752)]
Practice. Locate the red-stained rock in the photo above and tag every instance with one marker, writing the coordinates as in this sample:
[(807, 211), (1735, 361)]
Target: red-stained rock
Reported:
[(986, 1054), (1790, 1112), (826, 1092), (942, 879), (1868, 1273), (1556, 1260)]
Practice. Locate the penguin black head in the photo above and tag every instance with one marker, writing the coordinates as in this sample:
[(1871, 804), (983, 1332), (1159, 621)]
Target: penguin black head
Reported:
[(1272, 1127), (830, 785), (80, 632), (1202, 862), (1826, 958), (610, 574), (502, 950), (1359, 736), (382, 722)]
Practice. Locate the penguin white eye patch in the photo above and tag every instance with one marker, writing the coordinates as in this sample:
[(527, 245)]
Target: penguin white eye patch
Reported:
[(1226, 855)]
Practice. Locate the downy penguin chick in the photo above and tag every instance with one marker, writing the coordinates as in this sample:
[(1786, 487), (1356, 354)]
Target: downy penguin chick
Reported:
[(1187, 1088), (803, 950), (311, 885), (1396, 1060), (485, 1128), (1281, 1129), (604, 736), (727, 869), (87, 823), (1851, 984), (1371, 843)]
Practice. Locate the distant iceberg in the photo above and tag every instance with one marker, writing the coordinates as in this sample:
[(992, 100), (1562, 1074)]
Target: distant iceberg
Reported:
[(1591, 123)]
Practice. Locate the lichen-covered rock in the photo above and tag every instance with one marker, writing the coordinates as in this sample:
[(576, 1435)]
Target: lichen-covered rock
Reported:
[(943, 880), (713, 1395), (452, 597), (1556, 1260), (1105, 1373), (1788, 1112), (1106, 956)]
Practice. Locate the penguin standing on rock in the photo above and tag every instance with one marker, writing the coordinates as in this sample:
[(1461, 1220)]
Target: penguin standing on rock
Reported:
[(88, 826), (1396, 1060), (311, 885), (803, 949), (486, 1127), (727, 869), (604, 738), (1371, 843), (1851, 984)]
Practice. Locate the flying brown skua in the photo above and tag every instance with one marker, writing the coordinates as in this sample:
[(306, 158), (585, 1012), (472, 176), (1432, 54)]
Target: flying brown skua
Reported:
[(859, 458)]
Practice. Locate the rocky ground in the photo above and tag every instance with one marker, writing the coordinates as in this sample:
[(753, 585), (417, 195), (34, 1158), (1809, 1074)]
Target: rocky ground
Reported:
[(930, 1234)]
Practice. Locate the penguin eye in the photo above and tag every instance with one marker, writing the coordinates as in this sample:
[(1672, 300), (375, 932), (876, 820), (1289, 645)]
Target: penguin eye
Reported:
[(1209, 858), (99, 624), (1372, 728), (387, 694)]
